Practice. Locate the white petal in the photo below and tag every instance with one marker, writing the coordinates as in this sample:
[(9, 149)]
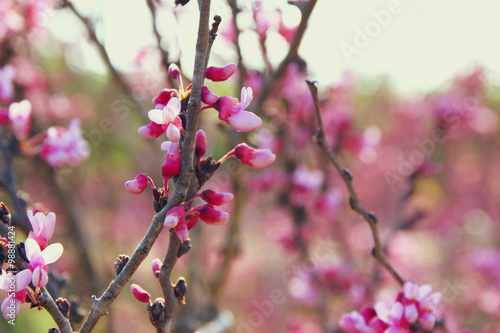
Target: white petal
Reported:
[(52, 253), (35, 223), (175, 105), (49, 225), (31, 246), (156, 116), (23, 278), (165, 145)]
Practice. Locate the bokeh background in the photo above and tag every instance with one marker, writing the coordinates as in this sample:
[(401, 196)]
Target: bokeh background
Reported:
[(413, 115)]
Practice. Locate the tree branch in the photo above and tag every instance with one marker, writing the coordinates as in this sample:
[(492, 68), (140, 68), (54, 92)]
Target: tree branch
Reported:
[(48, 303), (292, 54), (369, 217)]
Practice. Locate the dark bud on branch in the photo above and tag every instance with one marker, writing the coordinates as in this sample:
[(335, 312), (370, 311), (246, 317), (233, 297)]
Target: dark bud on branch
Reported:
[(372, 217), (157, 312), (374, 252), (53, 330), (159, 199), (4, 213), (75, 315), (205, 170), (63, 306), (180, 290), (120, 263), (347, 174), (184, 248)]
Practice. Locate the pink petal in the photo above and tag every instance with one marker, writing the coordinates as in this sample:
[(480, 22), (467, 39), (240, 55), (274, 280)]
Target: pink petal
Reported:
[(31, 247), (246, 97), (40, 277), (216, 199), (23, 279), (244, 121), (175, 105), (52, 253), (411, 313), (35, 223), (48, 226), (156, 265), (427, 321), (6, 311), (263, 158), (156, 116), (218, 74), (151, 131), (173, 133)]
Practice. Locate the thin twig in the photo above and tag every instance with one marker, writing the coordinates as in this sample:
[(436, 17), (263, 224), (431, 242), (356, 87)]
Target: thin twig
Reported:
[(211, 36), (48, 303), (292, 54), (369, 217)]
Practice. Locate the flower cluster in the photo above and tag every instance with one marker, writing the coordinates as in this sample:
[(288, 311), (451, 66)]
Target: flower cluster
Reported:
[(169, 117), (39, 255), (416, 310), (58, 146)]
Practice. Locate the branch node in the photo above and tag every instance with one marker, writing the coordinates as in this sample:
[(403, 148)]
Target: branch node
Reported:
[(347, 174), (372, 217)]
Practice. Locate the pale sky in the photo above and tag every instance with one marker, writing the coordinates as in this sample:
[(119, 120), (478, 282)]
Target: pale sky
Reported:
[(420, 45)]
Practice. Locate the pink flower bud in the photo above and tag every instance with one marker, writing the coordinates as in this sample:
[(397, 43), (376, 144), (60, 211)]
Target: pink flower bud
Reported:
[(172, 165), (207, 96), (151, 131), (216, 199), (4, 116), (220, 73), (200, 145), (173, 133), (139, 184), (256, 158), (140, 294), (163, 97), (20, 118), (174, 71), (156, 265), (173, 216), (210, 215)]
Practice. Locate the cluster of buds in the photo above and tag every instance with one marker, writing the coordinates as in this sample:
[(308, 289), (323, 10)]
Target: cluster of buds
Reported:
[(168, 117), (58, 146), (39, 255), (416, 310)]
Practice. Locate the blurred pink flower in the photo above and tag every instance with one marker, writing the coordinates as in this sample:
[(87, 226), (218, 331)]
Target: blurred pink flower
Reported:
[(20, 119), (65, 146), (7, 75)]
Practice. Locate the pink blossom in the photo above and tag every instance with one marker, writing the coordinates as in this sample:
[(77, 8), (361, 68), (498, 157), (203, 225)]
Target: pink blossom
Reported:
[(156, 266), (214, 198), (43, 227), (210, 215), (151, 131), (167, 114), (7, 75), (172, 165), (20, 119), (200, 145), (38, 260), (173, 216), (207, 96), (21, 281), (65, 146), (256, 158), (174, 71), (163, 97), (140, 294), (218, 74), (232, 111), (139, 184), (173, 133)]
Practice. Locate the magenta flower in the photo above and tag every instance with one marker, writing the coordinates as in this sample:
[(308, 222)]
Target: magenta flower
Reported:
[(172, 165), (65, 146), (200, 145), (40, 259), (167, 114), (207, 96), (232, 111), (175, 219), (151, 131), (163, 98), (7, 75), (140, 294), (43, 227), (218, 74), (139, 184), (213, 198), (11, 305), (20, 119), (210, 215), (256, 158), (156, 266)]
